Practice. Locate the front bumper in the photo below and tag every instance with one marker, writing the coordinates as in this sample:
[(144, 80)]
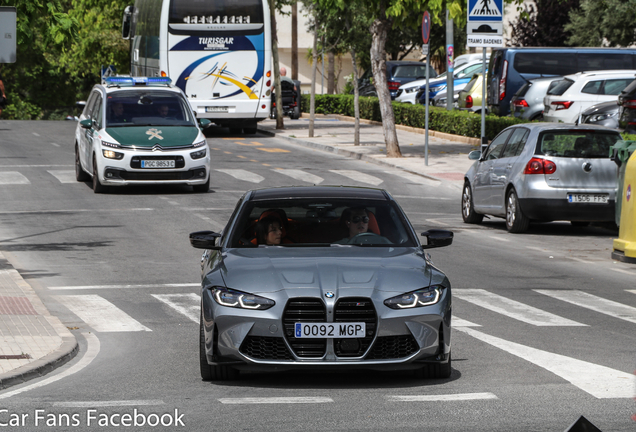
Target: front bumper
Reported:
[(262, 340)]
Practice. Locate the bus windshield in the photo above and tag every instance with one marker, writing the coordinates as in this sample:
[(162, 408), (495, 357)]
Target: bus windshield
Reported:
[(216, 12)]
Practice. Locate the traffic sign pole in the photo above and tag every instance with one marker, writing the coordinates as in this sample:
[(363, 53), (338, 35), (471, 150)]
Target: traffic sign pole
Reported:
[(426, 33)]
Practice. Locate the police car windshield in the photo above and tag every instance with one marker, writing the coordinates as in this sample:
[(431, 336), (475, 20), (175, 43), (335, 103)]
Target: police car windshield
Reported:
[(147, 108)]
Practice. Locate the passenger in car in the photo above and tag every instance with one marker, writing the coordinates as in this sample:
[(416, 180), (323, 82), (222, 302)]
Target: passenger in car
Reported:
[(269, 231)]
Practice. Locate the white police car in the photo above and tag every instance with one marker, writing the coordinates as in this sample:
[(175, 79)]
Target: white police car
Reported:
[(140, 130)]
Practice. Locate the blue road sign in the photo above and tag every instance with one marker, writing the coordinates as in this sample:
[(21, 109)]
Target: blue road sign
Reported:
[(485, 10), (426, 27)]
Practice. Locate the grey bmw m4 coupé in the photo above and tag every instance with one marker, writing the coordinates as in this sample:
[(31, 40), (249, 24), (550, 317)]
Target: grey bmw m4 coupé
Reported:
[(322, 277)]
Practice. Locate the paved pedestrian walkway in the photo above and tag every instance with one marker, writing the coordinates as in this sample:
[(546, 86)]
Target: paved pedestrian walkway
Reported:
[(447, 154), (33, 342)]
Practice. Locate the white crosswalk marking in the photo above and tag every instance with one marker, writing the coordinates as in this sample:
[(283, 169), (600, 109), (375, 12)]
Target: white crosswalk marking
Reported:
[(593, 302), (243, 175), (631, 291), (187, 304), (64, 176), (358, 176), (512, 308), (300, 175), (413, 178), (599, 381), (13, 178), (458, 322), (276, 400), (100, 314), (442, 398)]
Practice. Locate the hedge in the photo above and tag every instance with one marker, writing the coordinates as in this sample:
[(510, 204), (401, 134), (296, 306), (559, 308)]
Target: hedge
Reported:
[(455, 122)]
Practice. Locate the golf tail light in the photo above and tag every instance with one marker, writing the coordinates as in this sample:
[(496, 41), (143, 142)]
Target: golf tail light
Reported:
[(560, 105), (521, 103), (240, 300), (540, 166), (422, 297)]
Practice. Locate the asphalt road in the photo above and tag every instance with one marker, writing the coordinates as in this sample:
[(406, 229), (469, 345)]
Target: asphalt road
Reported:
[(544, 328)]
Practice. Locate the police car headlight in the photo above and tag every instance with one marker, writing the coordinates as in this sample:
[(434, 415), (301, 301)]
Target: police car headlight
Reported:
[(198, 154), (110, 154), (422, 297)]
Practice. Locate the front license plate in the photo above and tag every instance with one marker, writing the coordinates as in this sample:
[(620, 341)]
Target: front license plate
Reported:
[(157, 163), (330, 330), (588, 198), (216, 109)]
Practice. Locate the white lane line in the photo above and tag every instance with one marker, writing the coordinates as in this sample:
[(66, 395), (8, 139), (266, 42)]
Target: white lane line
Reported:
[(110, 210), (96, 404), (512, 309), (36, 134), (92, 350), (437, 222), (631, 291), (623, 271), (13, 178), (187, 304), (599, 381), (458, 322), (33, 166), (300, 175), (240, 174), (443, 398), (415, 178), (423, 198), (55, 144), (276, 400), (214, 224), (593, 302), (90, 287), (358, 176), (499, 238), (64, 176), (100, 314)]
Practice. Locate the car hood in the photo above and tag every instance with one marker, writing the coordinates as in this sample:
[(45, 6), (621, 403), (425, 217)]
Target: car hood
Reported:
[(267, 270), (149, 136)]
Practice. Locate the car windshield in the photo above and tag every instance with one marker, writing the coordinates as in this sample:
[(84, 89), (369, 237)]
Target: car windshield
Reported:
[(576, 143), (320, 222), (147, 108)]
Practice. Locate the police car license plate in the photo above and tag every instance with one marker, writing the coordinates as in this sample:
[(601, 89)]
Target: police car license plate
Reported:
[(157, 163), (588, 198), (216, 109), (330, 330)]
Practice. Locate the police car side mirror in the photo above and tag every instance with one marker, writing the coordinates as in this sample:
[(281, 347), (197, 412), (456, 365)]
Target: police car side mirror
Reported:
[(87, 123)]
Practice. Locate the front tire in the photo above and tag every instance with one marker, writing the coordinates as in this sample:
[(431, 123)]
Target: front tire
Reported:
[(98, 188), (435, 370), (468, 209), (516, 221), (80, 174), (202, 188), (212, 372)]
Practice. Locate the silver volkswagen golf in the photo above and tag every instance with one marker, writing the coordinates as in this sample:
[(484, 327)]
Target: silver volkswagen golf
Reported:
[(543, 172), (322, 277)]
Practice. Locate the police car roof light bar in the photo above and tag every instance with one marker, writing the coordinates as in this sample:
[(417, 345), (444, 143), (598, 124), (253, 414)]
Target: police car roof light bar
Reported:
[(137, 81)]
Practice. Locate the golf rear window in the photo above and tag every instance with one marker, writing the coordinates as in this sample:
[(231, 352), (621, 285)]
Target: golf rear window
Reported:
[(576, 143)]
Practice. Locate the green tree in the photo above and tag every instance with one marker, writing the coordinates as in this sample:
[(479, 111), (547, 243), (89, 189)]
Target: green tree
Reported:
[(603, 22), (542, 23)]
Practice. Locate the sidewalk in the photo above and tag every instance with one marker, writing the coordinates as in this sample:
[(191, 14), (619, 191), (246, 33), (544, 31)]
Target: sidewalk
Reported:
[(33, 342), (447, 158)]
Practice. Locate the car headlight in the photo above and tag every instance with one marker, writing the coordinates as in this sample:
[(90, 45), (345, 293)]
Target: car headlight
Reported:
[(601, 117), (411, 89), (110, 154), (421, 297), (240, 300), (198, 154)]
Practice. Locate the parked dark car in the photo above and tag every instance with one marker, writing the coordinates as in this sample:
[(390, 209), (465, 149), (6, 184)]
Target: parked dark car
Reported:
[(510, 68), (603, 114), (290, 98), (627, 109), (397, 73)]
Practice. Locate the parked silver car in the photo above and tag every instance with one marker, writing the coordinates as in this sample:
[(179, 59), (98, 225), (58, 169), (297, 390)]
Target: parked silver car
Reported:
[(543, 172), (603, 114), (322, 278), (527, 103)]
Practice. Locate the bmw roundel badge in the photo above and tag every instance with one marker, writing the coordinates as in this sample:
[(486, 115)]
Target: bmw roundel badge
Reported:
[(329, 294)]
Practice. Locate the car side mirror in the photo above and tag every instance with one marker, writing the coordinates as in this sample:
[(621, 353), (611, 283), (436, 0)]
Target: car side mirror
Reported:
[(204, 122), (86, 123), (474, 155), (204, 240), (437, 238)]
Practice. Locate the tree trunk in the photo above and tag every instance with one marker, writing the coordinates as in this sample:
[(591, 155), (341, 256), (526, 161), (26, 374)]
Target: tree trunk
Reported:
[(294, 42), (278, 91), (331, 73), (356, 99), (314, 61), (379, 29)]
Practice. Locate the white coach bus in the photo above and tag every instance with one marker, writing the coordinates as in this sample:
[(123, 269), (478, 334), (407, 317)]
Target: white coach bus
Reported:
[(217, 51)]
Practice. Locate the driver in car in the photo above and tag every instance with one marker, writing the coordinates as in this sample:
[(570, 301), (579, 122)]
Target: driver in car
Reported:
[(356, 221)]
